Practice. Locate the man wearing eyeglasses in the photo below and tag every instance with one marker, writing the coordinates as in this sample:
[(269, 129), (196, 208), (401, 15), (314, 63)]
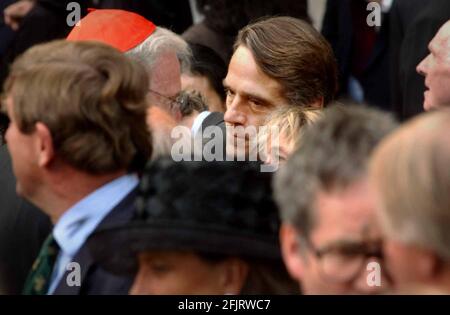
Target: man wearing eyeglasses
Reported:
[(329, 240), (162, 53)]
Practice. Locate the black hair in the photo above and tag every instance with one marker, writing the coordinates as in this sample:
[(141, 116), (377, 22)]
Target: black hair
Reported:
[(206, 62)]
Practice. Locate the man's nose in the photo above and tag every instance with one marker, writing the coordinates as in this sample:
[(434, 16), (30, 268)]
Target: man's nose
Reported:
[(422, 66), (235, 114)]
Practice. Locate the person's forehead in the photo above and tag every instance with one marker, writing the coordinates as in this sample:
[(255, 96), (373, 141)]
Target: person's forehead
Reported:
[(441, 42), (346, 213), (245, 76), (165, 76)]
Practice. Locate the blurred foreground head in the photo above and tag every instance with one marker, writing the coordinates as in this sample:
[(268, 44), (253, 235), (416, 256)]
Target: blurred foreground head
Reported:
[(77, 110), (200, 228), (329, 240), (411, 177)]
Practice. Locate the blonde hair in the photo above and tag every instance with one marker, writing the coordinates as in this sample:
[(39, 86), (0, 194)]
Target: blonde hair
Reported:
[(91, 97), (411, 174), (289, 122)]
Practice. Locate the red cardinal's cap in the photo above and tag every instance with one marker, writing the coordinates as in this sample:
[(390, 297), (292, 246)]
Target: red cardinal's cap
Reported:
[(118, 28)]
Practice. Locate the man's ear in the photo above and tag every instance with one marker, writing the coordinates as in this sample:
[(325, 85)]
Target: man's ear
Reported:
[(291, 251), (44, 144), (234, 275)]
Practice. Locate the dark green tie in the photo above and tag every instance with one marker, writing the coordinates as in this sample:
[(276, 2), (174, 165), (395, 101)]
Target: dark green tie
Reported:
[(38, 279)]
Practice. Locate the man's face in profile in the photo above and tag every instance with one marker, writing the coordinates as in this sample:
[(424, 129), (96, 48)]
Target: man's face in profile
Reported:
[(436, 70)]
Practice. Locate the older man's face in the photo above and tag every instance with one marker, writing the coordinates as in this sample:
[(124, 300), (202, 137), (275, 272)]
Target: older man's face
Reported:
[(436, 69), (342, 253)]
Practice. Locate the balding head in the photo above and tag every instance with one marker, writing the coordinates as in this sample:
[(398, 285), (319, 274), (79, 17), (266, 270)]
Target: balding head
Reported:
[(436, 70)]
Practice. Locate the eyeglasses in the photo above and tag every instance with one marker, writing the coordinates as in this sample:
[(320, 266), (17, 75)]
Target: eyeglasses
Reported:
[(343, 262), (171, 103)]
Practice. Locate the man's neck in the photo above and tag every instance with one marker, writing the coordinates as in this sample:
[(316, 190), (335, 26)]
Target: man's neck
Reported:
[(65, 191)]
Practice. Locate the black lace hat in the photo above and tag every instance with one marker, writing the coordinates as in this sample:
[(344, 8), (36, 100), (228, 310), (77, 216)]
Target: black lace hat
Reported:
[(221, 208)]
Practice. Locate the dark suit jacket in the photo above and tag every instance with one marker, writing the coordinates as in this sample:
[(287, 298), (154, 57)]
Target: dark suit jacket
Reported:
[(23, 228), (45, 22), (214, 119), (94, 279), (414, 23), (337, 28)]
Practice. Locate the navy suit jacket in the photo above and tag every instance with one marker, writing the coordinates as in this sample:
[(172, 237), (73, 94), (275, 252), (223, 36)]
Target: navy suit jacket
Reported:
[(94, 279)]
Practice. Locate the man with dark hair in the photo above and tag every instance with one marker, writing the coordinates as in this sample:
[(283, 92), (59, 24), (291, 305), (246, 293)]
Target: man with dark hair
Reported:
[(280, 61), (76, 142), (328, 236)]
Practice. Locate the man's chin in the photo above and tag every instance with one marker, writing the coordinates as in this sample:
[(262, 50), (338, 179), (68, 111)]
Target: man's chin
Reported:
[(426, 102)]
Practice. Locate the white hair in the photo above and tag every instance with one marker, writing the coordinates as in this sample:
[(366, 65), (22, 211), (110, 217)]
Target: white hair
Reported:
[(161, 41)]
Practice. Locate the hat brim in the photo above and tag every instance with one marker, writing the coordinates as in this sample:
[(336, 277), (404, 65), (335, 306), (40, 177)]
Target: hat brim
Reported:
[(116, 248)]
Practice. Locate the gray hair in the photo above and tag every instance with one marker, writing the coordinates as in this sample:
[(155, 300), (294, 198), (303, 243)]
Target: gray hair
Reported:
[(333, 154), (162, 40), (410, 172), (191, 101)]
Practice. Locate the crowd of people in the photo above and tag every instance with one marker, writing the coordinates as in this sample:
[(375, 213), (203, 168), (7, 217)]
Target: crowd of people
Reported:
[(249, 156)]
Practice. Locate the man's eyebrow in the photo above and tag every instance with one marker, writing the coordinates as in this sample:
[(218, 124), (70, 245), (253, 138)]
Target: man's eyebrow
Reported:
[(260, 98), (253, 95)]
